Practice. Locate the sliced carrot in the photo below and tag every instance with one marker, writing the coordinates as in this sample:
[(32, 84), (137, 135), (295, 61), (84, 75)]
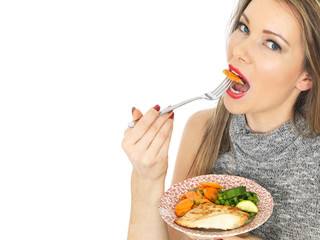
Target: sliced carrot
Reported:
[(199, 188), (211, 184), (191, 195), (196, 197), (206, 192), (200, 193), (183, 207), (232, 76), (182, 197), (205, 201), (211, 193), (215, 190)]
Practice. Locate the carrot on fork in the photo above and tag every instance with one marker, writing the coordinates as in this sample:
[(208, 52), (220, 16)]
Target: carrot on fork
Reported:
[(232, 76)]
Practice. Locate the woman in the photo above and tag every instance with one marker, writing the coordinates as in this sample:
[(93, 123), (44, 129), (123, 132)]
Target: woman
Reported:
[(266, 130)]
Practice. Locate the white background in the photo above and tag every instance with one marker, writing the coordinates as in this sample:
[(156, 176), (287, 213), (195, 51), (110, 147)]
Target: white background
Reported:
[(70, 73)]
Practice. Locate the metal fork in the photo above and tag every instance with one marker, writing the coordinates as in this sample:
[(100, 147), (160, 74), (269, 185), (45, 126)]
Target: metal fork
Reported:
[(215, 94)]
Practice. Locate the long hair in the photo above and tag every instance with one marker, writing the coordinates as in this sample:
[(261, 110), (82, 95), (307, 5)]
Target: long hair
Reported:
[(216, 140)]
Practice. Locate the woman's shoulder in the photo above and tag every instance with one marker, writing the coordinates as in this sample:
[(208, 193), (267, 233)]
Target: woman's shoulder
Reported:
[(197, 122)]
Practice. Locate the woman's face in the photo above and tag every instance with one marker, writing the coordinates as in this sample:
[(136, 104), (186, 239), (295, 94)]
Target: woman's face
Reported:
[(267, 50)]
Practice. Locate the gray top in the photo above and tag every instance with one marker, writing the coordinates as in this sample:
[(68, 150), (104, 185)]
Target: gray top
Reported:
[(288, 166)]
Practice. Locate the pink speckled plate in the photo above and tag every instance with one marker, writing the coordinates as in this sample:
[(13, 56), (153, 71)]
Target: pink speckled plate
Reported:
[(171, 198)]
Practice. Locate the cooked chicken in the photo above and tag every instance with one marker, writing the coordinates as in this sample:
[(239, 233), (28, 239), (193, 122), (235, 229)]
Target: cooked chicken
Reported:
[(209, 215)]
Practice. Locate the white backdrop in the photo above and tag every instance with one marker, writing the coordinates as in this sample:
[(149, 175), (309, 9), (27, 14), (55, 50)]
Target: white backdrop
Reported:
[(70, 73)]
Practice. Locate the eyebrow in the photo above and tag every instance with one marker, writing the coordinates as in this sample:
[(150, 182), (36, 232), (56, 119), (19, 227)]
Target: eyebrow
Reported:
[(246, 18), (278, 35), (267, 31)]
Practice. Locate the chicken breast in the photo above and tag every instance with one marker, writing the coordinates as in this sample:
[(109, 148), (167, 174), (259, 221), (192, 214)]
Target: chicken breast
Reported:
[(212, 216)]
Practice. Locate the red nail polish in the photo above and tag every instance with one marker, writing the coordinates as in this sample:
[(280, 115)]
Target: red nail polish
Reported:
[(157, 107), (133, 109), (172, 115)]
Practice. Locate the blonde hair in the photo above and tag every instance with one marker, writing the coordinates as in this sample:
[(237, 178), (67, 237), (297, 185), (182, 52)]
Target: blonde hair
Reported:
[(216, 140)]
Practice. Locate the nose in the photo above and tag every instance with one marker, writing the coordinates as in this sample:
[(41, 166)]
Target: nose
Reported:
[(242, 49)]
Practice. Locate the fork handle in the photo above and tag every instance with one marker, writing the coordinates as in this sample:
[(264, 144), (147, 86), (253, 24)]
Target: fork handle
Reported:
[(168, 109)]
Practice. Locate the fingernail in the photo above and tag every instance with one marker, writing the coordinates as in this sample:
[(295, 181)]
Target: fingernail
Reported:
[(172, 115), (171, 110), (133, 109), (157, 107)]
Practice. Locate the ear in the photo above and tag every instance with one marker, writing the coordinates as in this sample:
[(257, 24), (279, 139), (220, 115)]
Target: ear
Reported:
[(304, 82)]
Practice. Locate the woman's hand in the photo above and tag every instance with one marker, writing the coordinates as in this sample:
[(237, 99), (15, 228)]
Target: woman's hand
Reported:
[(147, 144)]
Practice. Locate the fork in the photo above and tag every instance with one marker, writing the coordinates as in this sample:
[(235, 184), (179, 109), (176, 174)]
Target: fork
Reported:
[(215, 94)]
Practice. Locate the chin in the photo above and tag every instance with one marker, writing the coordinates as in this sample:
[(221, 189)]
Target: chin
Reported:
[(232, 106)]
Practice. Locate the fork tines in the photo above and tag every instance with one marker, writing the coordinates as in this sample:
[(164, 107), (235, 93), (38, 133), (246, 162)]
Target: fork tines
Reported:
[(222, 87)]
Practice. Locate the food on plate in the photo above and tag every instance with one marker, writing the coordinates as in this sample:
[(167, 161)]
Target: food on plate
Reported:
[(183, 206), (248, 206), (204, 193), (232, 197), (235, 78), (210, 194), (211, 184), (208, 206), (212, 216), (235, 192)]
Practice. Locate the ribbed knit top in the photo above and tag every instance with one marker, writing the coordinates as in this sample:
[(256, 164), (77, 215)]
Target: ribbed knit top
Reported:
[(288, 166)]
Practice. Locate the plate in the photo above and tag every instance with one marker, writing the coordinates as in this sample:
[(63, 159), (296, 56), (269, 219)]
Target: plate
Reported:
[(171, 197)]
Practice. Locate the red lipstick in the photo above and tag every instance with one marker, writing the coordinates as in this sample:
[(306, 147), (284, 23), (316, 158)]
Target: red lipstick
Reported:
[(235, 95), (231, 92), (238, 72)]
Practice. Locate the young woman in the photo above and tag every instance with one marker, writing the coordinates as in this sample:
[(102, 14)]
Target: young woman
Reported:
[(267, 130)]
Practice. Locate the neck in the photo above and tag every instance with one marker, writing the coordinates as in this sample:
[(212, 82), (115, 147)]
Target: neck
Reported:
[(266, 122)]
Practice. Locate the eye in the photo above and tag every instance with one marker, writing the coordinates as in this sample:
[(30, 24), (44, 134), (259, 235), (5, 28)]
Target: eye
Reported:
[(243, 27), (273, 46)]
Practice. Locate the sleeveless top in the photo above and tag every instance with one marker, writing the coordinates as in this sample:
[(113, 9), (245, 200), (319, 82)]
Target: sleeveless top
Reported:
[(288, 166)]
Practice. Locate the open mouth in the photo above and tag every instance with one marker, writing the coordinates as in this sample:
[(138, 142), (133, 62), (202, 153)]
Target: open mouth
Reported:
[(238, 87)]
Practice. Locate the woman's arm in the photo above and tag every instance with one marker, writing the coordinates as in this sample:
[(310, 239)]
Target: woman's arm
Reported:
[(145, 220), (146, 145)]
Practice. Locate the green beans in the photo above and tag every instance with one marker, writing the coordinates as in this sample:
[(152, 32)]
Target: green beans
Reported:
[(233, 196), (235, 192)]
